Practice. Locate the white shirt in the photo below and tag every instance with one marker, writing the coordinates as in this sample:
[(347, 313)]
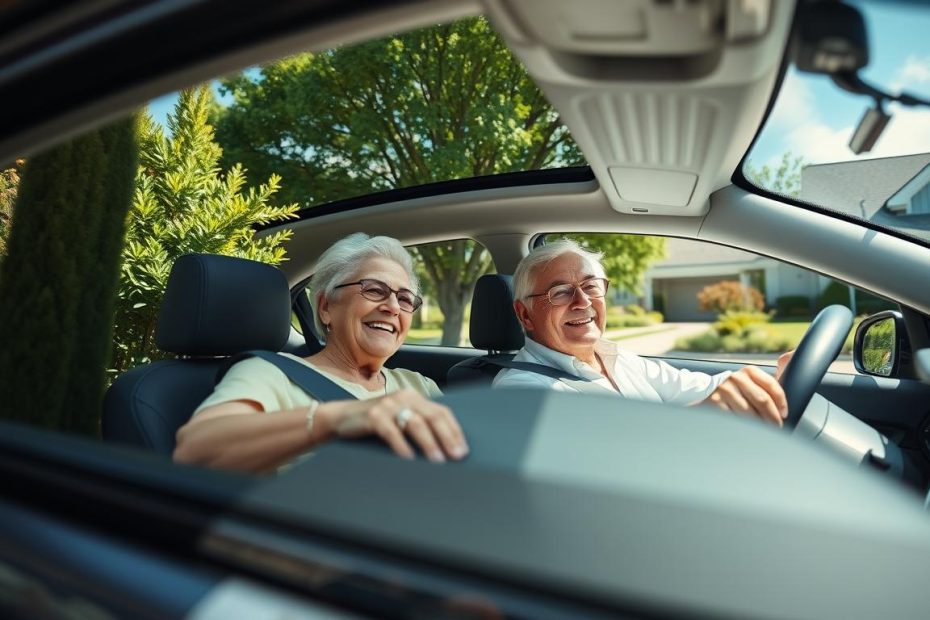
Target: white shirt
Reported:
[(635, 376)]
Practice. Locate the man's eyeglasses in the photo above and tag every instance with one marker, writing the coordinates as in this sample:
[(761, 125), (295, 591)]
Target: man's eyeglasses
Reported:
[(376, 290), (562, 294)]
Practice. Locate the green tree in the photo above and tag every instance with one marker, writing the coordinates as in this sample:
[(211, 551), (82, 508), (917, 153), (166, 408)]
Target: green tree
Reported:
[(785, 179), (185, 202), (626, 257), (70, 215), (441, 103)]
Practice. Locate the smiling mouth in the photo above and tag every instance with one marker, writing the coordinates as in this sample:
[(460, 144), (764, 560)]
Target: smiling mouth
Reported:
[(384, 327), (577, 322)]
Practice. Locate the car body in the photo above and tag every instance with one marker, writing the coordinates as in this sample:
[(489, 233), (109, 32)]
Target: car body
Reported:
[(563, 510)]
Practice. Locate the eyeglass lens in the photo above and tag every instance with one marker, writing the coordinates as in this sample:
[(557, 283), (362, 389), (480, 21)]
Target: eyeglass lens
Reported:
[(376, 290), (563, 294)]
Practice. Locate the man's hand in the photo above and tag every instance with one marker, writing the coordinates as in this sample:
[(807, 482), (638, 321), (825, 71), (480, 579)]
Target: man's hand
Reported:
[(754, 392)]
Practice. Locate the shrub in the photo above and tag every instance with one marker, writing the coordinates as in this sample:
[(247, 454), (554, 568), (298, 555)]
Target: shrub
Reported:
[(730, 295), (9, 184), (866, 303), (632, 316), (708, 342), (793, 306), (736, 322), (184, 202), (870, 304), (834, 293)]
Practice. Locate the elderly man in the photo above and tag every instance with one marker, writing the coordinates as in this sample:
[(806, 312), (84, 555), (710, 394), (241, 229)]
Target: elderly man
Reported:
[(559, 299)]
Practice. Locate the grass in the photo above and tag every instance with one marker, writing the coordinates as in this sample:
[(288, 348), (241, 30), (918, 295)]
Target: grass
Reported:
[(429, 335), (792, 331)]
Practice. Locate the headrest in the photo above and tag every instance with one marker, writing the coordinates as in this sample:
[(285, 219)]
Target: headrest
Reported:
[(220, 305), (494, 326)]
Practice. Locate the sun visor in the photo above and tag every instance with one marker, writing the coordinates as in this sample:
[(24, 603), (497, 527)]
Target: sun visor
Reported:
[(657, 187)]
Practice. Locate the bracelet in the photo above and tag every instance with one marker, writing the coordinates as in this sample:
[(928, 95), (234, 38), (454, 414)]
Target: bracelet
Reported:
[(311, 410)]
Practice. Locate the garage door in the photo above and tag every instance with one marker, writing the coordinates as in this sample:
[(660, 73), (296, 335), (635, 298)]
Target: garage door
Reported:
[(681, 302)]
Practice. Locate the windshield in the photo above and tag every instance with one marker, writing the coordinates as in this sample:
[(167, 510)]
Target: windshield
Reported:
[(803, 150)]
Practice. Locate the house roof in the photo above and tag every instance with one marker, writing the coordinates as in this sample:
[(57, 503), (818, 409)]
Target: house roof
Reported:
[(686, 252), (862, 187)]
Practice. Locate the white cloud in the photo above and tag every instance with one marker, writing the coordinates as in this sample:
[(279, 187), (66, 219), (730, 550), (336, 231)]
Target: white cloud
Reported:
[(798, 123), (818, 143), (913, 72), (907, 133), (795, 104)]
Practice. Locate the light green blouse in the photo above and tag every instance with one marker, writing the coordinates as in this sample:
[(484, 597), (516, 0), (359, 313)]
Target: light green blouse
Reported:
[(257, 380)]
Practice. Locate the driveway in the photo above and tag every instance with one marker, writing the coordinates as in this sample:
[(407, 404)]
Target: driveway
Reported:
[(655, 339)]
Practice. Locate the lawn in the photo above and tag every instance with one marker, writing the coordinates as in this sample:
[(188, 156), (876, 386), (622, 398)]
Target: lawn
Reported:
[(792, 331), (429, 335)]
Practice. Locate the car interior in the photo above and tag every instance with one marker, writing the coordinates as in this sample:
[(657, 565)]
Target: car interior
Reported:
[(665, 99)]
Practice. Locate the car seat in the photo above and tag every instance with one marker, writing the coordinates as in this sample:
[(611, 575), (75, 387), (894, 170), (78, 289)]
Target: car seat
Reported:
[(494, 327), (214, 306)]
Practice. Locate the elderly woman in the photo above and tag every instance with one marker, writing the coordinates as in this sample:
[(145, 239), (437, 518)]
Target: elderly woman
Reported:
[(363, 300)]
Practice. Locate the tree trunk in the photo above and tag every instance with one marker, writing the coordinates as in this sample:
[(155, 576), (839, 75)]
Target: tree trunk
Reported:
[(453, 295), (453, 317)]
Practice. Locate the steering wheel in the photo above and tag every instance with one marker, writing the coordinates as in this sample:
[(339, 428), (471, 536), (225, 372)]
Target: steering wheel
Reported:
[(818, 348)]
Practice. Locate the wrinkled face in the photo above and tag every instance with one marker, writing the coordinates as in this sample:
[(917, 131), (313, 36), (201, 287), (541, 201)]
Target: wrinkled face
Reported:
[(574, 328), (367, 330)]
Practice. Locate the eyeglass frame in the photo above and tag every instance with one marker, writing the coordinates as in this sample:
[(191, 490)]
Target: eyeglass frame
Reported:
[(418, 301), (575, 289)]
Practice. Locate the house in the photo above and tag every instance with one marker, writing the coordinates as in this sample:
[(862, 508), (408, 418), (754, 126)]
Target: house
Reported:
[(892, 191), (672, 285)]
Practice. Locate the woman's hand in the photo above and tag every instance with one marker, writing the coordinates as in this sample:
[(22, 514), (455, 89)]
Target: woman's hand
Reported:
[(395, 418)]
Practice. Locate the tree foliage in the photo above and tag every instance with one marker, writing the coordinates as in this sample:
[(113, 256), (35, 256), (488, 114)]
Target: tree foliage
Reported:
[(441, 103), (785, 179), (626, 257), (9, 184), (184, 202), (70, 215)]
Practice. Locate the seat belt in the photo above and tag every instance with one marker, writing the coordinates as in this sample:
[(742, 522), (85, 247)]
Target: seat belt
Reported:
[(309, 380), (573, 381)]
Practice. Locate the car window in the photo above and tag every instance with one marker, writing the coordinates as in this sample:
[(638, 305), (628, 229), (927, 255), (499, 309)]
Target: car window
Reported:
[(804, 151), (447, 271), (691, 299)]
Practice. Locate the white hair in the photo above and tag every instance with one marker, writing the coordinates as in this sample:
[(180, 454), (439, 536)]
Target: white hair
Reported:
[(341, 261), (539, 257)]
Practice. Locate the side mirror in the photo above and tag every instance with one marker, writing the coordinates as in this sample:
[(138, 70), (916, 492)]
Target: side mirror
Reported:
[(880, 340)]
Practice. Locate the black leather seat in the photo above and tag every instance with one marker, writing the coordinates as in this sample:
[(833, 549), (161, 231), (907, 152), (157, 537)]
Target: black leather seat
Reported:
[(493, 327), (214, 306)]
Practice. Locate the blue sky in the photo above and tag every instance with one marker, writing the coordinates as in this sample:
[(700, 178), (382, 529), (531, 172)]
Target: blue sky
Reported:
[(815, 119)]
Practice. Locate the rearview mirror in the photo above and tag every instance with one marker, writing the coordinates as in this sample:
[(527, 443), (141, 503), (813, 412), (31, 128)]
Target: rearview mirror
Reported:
[(878, 344)]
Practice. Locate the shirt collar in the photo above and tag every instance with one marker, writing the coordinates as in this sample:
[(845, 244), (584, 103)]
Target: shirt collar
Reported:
[(570, 363)]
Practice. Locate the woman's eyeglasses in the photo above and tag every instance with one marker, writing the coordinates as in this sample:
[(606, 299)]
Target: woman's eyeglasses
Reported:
[(562, 294), (376, 290)]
